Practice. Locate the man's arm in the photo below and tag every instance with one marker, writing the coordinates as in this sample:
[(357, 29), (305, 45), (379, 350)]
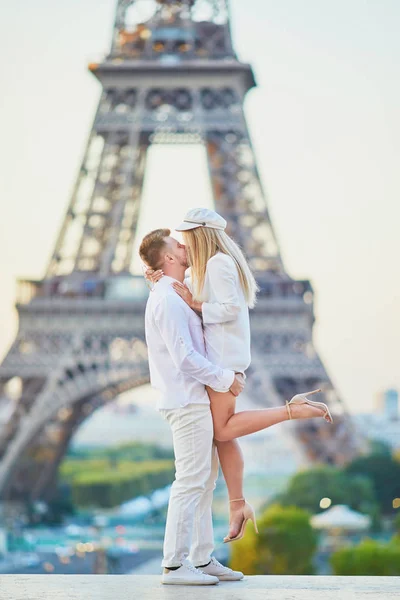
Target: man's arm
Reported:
[(172, 321)]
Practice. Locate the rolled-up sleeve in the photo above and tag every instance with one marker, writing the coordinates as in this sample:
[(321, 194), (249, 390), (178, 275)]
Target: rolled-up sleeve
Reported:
[(172, 322), (221, 277)]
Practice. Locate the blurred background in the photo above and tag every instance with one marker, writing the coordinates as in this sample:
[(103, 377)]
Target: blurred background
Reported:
[(325, 125)]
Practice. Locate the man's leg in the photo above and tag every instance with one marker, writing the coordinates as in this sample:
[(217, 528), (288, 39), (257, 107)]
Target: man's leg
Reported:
[(203, 533), (203, 537), (192, 432)]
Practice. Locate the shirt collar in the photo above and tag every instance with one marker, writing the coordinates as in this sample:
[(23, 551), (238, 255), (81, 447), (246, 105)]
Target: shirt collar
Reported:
[(163, 284)]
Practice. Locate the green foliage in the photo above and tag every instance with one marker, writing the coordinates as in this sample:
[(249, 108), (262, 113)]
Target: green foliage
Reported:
[(71, 469), (57, 508), (285, 545), (135, 451), (306, 488), (367, 558), (245, 554), (105, 477), (107, 487), (396, 524), (287, 542), (396, 539), (380, 447), (384, 473)]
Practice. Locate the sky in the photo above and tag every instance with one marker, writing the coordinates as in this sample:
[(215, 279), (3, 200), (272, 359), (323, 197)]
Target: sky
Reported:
[(325, 124)]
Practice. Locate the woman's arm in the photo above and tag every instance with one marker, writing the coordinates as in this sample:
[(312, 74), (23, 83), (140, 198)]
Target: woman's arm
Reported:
[(221, 272), (222, 280)]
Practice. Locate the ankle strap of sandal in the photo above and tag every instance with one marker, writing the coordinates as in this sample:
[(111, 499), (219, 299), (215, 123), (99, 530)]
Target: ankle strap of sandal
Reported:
[(237, 500), (288, 410)]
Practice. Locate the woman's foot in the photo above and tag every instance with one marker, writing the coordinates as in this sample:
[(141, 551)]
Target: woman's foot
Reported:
[(236, 517), (239, 520), (314, 409), (305, 411)]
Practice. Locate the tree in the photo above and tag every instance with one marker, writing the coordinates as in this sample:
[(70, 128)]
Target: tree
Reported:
[(384, 472), (285, 545), (307, 488), (380, 447), (113, 455), (367, 558), (396, 526)]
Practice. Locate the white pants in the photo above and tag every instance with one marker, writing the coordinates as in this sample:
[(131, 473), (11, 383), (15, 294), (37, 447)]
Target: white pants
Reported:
[(189, 529)]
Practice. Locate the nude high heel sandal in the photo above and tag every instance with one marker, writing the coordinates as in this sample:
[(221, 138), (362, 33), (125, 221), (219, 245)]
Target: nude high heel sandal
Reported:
[(302, 399), (248, 515)]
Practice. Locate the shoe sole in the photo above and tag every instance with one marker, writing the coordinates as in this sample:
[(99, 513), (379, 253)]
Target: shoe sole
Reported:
[(222, 578), (189, 583)]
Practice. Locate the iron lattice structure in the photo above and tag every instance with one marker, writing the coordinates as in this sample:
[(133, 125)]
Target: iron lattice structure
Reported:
[(171, 75)]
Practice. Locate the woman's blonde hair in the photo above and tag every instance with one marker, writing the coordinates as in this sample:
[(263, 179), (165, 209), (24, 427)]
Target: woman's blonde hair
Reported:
[(202, 243)]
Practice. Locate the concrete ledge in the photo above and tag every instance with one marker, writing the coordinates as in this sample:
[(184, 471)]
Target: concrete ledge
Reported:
[(148, 587)]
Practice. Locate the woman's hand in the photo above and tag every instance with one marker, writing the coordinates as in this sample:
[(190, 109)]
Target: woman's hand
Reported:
[(153, 276), (186, 295)]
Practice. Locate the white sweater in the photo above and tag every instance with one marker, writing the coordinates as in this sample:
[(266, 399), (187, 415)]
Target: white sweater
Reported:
[(225, 315)]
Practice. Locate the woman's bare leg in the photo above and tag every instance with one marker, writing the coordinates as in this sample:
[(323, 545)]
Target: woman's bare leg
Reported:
[(232, 465), (229, 425)]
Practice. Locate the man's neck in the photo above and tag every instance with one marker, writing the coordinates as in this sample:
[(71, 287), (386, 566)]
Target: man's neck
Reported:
[(175, 272)]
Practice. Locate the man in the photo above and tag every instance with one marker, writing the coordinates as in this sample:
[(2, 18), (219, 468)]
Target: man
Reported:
[(179, 369)]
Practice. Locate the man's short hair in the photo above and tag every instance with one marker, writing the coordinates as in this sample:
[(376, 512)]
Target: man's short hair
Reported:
[(153, 244)]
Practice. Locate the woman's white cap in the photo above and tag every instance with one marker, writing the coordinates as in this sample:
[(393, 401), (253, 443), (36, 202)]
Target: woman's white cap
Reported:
[(201, 217)]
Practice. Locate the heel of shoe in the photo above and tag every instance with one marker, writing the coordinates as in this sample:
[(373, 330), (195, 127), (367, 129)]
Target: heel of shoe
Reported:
[(302, 398), (255, 525), (250, 515), (313, 392)]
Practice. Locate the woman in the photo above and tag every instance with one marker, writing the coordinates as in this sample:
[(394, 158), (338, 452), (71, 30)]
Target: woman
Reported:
[(222, 288)]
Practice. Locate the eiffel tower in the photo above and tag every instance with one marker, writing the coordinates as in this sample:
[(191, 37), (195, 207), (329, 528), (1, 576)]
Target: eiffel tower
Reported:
[(171, 76)]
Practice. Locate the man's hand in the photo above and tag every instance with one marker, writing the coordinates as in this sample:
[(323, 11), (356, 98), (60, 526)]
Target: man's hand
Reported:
[(238, 384)]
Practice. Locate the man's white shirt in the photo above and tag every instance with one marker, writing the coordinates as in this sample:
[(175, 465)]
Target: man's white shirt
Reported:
[(177, 356)]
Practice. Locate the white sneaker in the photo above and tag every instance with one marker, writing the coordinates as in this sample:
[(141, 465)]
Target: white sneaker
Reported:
[(187, 574), (223, 573)]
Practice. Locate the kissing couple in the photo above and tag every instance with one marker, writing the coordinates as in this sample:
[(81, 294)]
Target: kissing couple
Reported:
[(198, 337)]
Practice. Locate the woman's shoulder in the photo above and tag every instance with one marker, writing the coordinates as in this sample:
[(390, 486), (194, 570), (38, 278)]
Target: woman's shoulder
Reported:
[(221, 258), (221, 261)]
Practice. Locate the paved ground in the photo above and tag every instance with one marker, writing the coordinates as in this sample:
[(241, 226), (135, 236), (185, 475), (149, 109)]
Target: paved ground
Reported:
[(148, 587)]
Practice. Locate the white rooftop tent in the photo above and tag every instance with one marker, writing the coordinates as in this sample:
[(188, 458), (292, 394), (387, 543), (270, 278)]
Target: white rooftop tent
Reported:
[(341, 517)]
